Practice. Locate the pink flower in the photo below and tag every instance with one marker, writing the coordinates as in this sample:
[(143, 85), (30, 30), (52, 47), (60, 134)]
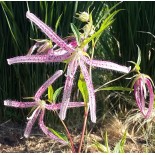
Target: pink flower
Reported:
[(76, 56), (40, 107), (142, 89)]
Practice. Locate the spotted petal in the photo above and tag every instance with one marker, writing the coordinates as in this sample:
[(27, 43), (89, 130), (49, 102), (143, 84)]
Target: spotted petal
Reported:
[(31, 122), (49, 32), (139, 91), (72, 67), (43, 88), (106, 65), (39, 58), (91, 93), (46, 131), (58, 105), (16, 104)]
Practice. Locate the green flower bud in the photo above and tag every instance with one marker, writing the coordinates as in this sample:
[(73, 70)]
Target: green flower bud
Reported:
[(84, 17)]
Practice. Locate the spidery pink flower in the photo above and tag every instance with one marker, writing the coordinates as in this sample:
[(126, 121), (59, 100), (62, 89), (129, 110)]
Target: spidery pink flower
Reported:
[(76, 57), (40, 107), (143, 89)]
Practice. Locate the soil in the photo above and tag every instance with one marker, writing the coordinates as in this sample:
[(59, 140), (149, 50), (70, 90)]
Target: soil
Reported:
[(12, 140)]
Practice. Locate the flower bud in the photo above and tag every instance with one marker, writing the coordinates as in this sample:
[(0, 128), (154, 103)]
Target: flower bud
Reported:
[(84, 17), (88, 29)]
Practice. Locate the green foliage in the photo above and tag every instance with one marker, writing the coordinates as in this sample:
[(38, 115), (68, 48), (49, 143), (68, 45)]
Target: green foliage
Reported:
[(116, 88), (56, 94), (58, 134), (135, 26), (76, 33), (119, 147), (83, 88), (50, 93)]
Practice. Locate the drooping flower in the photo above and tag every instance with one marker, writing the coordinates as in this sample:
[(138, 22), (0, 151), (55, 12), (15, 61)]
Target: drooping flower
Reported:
[(76, 56), (142, 90), (40, 107)]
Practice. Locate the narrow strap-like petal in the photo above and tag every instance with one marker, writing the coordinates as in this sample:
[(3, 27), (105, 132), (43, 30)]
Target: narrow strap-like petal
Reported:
[(140, 98), (142, 94), (18, 104), (138, 94), (72, 67), (107, 65), (58, 105), (151, 98), (39, 58), (44, 87), (31, 122), (49, 32), (90, 89), (46, 131)]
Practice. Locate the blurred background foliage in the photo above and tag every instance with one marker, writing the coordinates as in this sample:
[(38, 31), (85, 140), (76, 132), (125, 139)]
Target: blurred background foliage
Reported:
[(117, 44)]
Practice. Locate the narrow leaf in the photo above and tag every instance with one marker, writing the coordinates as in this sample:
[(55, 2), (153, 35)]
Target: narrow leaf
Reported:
[(119, 147), (50, 93), (107, 22), (56, 94), (58, 134), (139, 56), (117, 88), (83, 88), (76, 33), (57, 23)]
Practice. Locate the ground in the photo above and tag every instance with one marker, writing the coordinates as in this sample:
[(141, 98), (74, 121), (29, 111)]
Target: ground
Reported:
[(12, 140)]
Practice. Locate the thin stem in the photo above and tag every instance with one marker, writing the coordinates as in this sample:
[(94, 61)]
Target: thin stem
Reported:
[(68, 135), (83, 130), (98, 89)]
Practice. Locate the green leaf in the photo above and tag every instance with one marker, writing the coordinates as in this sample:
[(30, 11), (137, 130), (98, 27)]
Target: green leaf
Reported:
[(106, 142), (56, 94), (102, 148), (139, 56), (57, 23), (6, 10), (83, 88), (76, 33), (117, 88), (50, 93), (107, 22), (59, 134), (106, 13), (119, 147)]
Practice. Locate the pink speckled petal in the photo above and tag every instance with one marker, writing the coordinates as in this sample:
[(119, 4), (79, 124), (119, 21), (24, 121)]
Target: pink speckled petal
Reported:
[(18, 104), (46, 131), (39, 58), (49, 32), (151, 98), (72, 67), (31, 122), (44, 87), (139, 96), (90, 88), (58, 105), (107, 65)]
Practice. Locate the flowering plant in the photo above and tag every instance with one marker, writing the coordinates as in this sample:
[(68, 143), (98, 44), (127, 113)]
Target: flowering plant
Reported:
[(73, 52), (143, 89)]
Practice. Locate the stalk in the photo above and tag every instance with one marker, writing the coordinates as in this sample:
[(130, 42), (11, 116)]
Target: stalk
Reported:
[(68, 135), (83, 130)]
